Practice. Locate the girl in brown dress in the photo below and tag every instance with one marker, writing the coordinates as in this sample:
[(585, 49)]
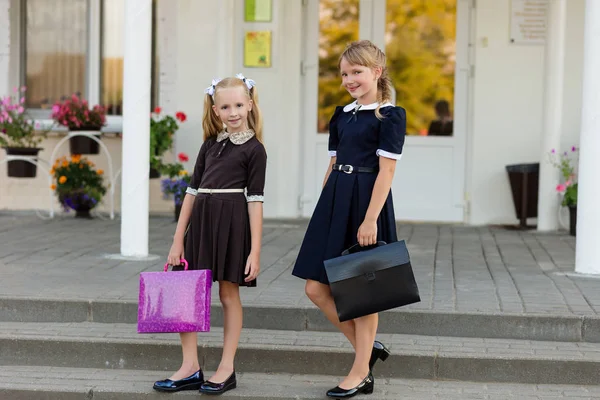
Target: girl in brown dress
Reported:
[(225, 225)]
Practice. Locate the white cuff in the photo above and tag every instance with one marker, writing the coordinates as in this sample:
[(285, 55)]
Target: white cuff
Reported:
[(255, 198), (191, 191), (387, 154), (332, 153)]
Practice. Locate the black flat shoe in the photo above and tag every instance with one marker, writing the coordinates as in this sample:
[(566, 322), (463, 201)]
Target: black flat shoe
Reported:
[(192, 382), (209, 387), (380, 352), (365, 387)]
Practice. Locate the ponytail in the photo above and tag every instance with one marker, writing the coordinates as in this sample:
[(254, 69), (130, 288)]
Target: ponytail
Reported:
[(211, 123)]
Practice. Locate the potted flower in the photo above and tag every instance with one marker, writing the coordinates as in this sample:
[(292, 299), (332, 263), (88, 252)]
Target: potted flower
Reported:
[(162, 129), (78, 185), (18, 135), (76, 115), (568, 187), (177, 182)]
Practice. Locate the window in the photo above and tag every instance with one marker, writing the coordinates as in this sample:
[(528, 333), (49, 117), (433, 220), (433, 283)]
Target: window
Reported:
[(338, 26), (65, 54), (55, 50), (420, 47)]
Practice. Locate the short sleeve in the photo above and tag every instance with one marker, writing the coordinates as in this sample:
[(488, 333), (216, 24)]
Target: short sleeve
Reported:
[(257, 169), (333, 131), (392, 133), (198, 170)]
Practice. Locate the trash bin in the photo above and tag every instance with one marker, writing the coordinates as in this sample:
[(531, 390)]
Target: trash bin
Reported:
[(524, 182)]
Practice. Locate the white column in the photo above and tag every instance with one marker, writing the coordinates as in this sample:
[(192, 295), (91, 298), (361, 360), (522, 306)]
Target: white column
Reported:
[(136, 128), (548, 202), (4, 47), (588, 204)]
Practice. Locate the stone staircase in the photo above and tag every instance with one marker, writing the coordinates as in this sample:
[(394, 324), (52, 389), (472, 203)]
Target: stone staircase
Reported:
[(51, 350)]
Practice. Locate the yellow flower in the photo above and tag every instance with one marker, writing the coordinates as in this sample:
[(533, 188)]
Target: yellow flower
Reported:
[(53, 186), (65, 163), (183, 172), (76, 158), (91, 164), (52, 171), (62, 179), (100, 172)]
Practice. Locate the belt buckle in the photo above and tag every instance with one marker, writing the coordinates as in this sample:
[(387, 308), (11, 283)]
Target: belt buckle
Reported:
[(350, 169)]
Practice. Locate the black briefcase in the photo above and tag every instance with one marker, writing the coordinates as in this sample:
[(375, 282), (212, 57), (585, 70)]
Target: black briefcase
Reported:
[(367, 280)]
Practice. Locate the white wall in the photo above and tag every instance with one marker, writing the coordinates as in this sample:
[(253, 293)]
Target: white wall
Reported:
[(508, 95), (210, 43)]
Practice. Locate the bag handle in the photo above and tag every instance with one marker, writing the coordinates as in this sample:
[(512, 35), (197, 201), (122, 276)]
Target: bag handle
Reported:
[(183, 261), (357, 247)]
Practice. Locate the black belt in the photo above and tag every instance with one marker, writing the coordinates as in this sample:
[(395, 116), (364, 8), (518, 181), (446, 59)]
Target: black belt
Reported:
[(352, 169)]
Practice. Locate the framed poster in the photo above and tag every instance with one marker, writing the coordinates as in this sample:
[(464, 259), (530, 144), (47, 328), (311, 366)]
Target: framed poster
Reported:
[(258, 10), (257, 49), (528, 21)]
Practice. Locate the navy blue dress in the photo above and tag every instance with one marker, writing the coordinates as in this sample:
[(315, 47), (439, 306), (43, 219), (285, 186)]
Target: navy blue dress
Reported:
[(357, 139)]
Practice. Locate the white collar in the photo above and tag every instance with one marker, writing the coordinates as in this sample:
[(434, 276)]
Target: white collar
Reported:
[(372, 106), (236, 137)]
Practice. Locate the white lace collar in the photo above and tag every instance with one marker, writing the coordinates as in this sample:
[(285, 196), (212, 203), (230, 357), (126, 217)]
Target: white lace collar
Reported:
[(352, 106), (237, 137)]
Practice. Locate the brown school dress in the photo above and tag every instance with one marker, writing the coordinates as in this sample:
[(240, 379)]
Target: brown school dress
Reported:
[(218, 236)]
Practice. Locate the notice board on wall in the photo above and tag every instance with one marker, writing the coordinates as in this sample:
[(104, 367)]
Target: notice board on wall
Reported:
[(528, 21)]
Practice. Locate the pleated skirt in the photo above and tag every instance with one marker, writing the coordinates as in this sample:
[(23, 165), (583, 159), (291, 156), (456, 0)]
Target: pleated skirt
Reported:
[(333, 227), (218, 236)]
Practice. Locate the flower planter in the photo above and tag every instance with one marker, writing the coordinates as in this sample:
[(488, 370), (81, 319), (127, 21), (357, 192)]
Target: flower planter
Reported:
[(84, 144), (83, 211), (22, 168), (154, 174), (573, 220)]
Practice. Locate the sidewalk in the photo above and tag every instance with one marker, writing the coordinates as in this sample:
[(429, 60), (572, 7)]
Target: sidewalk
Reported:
[(458, 268)]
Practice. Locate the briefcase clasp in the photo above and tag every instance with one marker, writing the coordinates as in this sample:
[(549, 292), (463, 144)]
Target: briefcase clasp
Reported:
[(370, 276)]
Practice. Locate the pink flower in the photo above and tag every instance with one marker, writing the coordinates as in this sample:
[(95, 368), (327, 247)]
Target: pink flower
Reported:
[(568, 183), (22, 100), (20, 110), (15, 89), (561, 188), (55, 108), (553, 151), (23, 88), (573, 149)]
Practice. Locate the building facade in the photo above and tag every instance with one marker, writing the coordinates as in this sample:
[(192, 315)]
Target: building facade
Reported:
[(498, 92)]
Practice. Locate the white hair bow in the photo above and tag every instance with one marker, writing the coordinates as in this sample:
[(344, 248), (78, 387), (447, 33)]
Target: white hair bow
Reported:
[(249, 82), (211, 89)]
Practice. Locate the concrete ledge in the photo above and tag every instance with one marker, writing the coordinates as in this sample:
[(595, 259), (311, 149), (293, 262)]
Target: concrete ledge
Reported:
[(414, 357), (565, 328)]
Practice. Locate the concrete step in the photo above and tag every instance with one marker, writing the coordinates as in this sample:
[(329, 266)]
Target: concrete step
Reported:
[(52, 383), (561, 327), (95, 345)]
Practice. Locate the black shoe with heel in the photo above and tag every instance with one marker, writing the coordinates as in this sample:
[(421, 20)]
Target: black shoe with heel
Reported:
[(365, 387), (209, 387), (192, 382), (380, 352)]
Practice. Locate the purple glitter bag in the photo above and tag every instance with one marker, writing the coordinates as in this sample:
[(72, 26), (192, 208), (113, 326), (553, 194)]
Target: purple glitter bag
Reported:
[(175, 301)]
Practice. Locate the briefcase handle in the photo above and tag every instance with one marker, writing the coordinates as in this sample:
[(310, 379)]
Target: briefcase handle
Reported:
[(183, 261), (357, 247)]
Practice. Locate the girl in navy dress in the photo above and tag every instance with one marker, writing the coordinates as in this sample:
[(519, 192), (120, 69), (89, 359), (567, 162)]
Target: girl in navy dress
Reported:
[(365, 141), (225, 225)]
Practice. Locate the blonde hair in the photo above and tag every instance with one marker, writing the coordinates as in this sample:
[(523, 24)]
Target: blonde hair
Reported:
[(212, 124), (367, 54)]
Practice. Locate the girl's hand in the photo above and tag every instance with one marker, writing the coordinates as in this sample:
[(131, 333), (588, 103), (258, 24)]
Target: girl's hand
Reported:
[(367, 233), (175, 254), (252, 267)]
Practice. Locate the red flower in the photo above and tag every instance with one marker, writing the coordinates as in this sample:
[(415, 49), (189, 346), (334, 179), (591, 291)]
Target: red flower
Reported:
[(181, 116), (157, 110), (183, 157)]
